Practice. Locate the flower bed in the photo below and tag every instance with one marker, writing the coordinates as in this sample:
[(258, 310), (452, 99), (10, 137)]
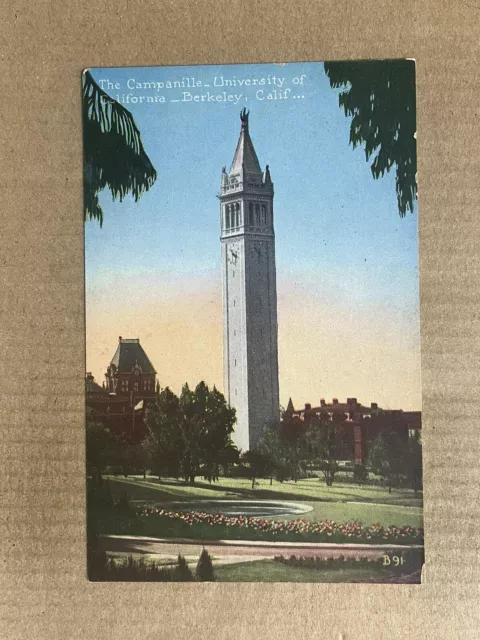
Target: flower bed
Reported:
[(200, 525)]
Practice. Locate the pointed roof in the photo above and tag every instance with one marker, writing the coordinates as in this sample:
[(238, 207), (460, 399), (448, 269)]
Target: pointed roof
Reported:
[(129, 353), (245, 157), (290, 408)]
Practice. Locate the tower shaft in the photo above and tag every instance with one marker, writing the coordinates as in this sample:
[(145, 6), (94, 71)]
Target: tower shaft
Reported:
[(249, 293)]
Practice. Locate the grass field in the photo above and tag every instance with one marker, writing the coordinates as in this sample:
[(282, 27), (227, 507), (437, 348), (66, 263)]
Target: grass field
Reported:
[(271, 571), (341, 503)]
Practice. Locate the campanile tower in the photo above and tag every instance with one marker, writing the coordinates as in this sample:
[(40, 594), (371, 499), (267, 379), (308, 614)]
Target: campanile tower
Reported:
[(250, 341)]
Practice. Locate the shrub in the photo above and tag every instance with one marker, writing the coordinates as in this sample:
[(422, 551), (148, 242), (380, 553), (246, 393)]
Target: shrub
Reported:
[(411, 561), (360, 474), (204, 571), (182, 572)]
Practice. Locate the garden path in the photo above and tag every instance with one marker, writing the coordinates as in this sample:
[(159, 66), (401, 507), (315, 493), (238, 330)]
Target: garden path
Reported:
[(166, 551)]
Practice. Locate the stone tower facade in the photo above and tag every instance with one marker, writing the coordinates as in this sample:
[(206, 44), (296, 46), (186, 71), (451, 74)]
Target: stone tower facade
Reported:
[(250, 343)]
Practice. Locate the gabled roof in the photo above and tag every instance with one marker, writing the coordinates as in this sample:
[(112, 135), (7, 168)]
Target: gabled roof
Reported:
[(245, 156), (130, 353)]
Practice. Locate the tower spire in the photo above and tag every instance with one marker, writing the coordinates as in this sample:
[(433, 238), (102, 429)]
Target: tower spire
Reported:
[(245, 156), (244, 118)]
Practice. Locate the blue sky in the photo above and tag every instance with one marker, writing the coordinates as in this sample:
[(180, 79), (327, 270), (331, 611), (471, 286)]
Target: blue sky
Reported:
[(337, 229)]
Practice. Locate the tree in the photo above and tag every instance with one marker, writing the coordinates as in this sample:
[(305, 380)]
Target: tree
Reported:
[(272, 447), (100, 447), (293, 436), (324, 447), (209, 423), (204, 571), (380, 97), (388, 458), (166, 443), (114, 156), (182, 572), (191, 434), (415, 461), (193, 410), (258, 463)]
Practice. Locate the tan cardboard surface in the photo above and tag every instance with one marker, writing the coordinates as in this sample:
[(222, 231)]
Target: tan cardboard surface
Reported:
[(44, 46)]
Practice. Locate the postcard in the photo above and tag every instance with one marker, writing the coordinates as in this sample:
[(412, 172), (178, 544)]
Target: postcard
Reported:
[(253, 388)]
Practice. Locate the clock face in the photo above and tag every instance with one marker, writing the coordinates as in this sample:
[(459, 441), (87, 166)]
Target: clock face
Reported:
[(136, 372), (233, 255)]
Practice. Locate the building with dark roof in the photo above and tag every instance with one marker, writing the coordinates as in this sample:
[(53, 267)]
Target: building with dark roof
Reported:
[(130, 369), (130, 386)]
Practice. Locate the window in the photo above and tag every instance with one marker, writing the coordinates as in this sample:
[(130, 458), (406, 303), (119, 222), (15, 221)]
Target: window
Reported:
[(264, 215), (146, 385), (227, 217), (124, 386), (257, 215), (237, 214), (135, 386), (250, 215)]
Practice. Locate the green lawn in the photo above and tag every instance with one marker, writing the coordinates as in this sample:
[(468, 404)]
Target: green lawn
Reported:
[(311, 489), (271, 571), (341, 503)]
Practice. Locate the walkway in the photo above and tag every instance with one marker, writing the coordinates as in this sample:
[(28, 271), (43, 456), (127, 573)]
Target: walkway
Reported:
[(165, 551)]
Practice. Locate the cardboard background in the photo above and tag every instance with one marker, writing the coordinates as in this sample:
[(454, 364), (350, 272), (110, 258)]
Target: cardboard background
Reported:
[(43, 49)]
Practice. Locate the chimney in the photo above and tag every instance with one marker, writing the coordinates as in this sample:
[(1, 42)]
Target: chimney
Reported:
[(322, 402), (308, 406), (335, 401), (119, 338), (373, 405), (351, 401)]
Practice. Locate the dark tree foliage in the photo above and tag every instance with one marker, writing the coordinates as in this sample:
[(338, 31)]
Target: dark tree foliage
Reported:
[(204, 572), (293, 437), (182, 572), (166, 443), (415, 459), (259, 464), (101, 447), (388, 458), (274, 450), (380, 98), (114, 156), (191, 434), (324, 445)]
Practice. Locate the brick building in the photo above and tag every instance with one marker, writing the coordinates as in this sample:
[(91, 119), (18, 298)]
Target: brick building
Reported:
[(130, 386), (360, 424)]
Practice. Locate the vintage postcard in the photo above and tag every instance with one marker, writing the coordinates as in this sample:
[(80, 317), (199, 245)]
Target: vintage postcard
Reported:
[(253, 389)]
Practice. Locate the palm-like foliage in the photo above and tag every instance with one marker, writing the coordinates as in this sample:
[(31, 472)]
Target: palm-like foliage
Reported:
[(380, 98), (114, 156)]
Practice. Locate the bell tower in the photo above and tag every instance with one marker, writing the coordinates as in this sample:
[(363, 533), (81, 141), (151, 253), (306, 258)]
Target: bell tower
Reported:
[(250, 340)]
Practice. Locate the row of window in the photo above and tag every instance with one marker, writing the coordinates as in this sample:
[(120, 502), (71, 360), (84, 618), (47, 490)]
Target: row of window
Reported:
[(257, 215), (147, 386)]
